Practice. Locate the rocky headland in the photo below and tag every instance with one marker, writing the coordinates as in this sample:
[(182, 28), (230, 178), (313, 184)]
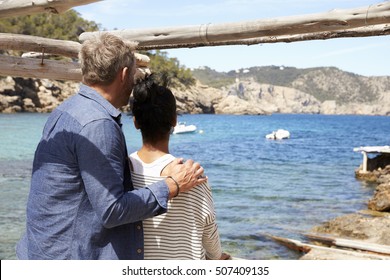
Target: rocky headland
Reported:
[(313, 91)]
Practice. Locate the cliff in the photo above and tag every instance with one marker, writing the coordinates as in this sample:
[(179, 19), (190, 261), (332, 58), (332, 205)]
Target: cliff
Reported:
[(260, 90), (324, 90)]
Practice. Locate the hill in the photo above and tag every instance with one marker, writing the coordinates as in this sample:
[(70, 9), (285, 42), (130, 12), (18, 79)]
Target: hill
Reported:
[(323, 83), (261, 90), (274, 89)]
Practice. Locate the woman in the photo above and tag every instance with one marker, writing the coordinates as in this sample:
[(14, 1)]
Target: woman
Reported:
[(178, 234)]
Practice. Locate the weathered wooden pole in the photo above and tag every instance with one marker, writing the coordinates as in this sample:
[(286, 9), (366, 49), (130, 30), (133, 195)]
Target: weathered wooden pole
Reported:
[(366, 31), (37, 44), (348, 243), (38, 68), (18, 42), (205, 34), (373, 20), (9, 8), (53, 69)]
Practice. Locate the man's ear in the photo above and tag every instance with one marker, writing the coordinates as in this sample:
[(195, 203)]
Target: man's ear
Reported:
[(124, 74)]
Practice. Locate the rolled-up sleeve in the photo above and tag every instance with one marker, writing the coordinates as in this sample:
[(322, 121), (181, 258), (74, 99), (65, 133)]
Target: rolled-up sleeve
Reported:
[(102, 156)]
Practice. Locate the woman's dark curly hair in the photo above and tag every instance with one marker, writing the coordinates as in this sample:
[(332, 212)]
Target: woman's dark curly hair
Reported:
[(154, 109)]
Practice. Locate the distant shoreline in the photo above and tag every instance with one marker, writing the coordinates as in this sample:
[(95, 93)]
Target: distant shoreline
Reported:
[(323, 90)]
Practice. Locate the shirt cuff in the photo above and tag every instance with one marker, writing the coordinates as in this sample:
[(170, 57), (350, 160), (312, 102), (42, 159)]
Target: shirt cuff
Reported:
[(160, 191)]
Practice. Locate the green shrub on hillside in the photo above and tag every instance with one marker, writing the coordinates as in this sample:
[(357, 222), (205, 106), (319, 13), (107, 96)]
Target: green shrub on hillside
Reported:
[(213, 78), (168, 71), (66, 26)]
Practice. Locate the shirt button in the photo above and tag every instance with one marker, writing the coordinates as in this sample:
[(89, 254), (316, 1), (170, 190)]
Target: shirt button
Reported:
[(139, 251), (138, 227)]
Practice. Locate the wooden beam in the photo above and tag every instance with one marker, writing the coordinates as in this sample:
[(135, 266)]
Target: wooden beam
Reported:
[(29, 43), (37, 44), (34, 68), (212, 33), (70, 48), (347, 243), (374, 30), (53, 69), (10, 8), (306, 248)]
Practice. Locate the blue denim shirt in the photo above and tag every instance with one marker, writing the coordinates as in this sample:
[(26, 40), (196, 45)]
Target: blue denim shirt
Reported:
[(82, 204)]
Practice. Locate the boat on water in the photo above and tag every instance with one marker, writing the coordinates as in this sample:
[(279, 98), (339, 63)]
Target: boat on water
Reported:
[(182, 127), (278, 134)]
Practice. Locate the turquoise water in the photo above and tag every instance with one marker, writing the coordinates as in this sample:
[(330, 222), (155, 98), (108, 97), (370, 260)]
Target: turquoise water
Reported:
[(260, 186)]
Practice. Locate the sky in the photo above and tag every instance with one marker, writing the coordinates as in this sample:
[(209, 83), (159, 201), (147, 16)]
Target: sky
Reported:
[(364, 56)]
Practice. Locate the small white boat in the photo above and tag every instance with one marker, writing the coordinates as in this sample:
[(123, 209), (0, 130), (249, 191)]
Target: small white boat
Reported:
[(181, 127), (278, 134)]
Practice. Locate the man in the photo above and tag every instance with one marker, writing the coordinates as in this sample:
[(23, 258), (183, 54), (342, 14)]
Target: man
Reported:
[(82, 204)]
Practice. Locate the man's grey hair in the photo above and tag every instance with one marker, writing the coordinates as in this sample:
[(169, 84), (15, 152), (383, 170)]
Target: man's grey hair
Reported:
[(103, 56)]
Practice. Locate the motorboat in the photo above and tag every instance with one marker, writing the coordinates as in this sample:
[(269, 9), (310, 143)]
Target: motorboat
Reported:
[(182, 127), (278, 134)]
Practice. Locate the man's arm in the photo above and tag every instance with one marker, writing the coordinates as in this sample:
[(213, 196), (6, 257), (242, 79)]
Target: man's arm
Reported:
[(101, 158)]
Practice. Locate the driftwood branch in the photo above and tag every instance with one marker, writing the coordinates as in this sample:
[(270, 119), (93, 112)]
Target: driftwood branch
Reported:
[(205, 34), (36, 68), (10, 8)]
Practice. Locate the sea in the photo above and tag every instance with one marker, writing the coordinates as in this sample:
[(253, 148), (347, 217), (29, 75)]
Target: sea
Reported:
[(260, 187)]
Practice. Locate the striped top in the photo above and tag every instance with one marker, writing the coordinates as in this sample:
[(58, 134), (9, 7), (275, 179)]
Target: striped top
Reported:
[(188, 230)]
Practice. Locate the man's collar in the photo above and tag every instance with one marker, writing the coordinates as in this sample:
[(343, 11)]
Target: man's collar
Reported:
[(92, 94)]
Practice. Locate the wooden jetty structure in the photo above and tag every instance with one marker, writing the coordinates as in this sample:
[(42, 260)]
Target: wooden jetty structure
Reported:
[(371, 150), (373, 20)]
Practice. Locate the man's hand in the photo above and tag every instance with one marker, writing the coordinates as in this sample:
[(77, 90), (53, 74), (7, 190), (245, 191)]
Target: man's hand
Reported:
[(187, 175)]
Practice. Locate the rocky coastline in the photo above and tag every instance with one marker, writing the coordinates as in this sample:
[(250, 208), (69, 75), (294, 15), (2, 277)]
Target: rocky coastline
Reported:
[(33, 95), (247, 97), (371, 225)]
